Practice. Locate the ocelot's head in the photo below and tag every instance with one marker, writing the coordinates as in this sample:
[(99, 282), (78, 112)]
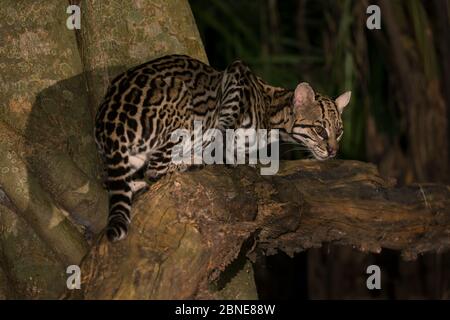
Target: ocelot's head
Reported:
[(317, 122)]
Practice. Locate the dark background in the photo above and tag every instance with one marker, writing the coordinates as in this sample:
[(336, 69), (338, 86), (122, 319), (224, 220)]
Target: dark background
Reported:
[(398, 116)]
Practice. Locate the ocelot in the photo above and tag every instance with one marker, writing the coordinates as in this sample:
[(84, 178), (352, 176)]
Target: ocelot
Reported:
[(146, 103)]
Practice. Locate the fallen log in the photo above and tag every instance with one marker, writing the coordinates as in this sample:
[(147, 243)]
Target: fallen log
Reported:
[(194, 232)]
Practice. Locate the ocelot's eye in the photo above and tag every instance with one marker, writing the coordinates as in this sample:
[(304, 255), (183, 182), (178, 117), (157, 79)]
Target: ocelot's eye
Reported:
[(321, 132)]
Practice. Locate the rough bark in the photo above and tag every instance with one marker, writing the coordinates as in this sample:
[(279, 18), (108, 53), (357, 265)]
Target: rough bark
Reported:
[(51, 79), (192, 230), (117, 35)]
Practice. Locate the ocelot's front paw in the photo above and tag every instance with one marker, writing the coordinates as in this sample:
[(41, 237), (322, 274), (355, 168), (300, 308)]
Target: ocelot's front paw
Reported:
[(195, 167), (139, 188), (181, 167), (231, 165)]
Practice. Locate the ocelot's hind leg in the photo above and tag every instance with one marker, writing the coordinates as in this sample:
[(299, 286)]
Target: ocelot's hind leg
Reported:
[(120, 192), (138, 184), (123, 186)]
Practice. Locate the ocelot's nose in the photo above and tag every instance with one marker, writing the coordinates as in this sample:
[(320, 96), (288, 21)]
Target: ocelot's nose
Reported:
[(331, 151)]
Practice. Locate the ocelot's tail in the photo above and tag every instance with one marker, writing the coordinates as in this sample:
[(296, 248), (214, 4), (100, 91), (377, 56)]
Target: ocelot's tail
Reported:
[(120, 196)]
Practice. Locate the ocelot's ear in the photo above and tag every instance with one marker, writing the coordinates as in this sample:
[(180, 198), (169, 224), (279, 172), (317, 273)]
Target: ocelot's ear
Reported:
[(343, 100), (303, 95)]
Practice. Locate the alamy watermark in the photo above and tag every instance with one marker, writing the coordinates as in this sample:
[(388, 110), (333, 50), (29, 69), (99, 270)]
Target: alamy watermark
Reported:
[(74, 279), (373, 22), (230, 146), (74, 20), (374, 280)]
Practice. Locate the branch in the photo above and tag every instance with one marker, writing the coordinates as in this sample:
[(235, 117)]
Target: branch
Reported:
[(191, 228)]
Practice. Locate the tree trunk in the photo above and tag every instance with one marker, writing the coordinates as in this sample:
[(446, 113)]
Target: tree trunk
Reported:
[(52, 78)]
